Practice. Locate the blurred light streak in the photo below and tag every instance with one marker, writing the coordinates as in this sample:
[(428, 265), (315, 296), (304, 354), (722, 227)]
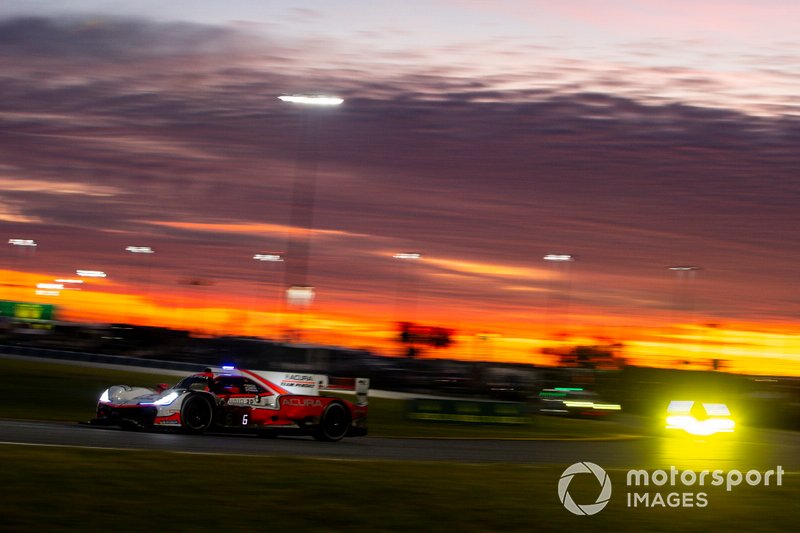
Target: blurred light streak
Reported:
[(275, 258), (140, 250), (22, 242), (91, 273), (312, 99)]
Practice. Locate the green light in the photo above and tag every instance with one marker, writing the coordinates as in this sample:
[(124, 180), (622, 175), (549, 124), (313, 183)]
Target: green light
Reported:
[(569, 389)]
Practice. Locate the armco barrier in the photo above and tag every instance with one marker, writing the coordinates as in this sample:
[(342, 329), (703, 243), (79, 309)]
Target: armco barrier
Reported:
[(467, 411)]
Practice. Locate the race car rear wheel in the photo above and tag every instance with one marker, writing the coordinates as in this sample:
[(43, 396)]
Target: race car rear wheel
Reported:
[(334, 423), (196, 414)]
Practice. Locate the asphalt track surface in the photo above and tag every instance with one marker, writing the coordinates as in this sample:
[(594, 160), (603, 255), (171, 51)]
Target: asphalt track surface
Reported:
[(754, 449)]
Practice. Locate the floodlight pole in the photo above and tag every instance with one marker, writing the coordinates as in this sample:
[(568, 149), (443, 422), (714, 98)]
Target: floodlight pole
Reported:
[(301, 217)]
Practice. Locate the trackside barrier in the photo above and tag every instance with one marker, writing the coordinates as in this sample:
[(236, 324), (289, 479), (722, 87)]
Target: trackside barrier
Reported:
[(467, 411), (100, 358)]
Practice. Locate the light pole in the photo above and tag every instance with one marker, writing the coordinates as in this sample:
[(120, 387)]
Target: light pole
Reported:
[(685, 276), (561, 272), (405, 328), (147, 252), (403, 278), (22, 247), (301, 220), (273, 258)]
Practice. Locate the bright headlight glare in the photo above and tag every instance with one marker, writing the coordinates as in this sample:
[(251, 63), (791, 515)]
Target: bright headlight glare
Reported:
[(701, 427), (166, 400), (104, 397)]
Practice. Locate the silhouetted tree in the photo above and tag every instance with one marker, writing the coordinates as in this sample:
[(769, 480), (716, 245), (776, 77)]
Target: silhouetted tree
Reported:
[(415, 335)]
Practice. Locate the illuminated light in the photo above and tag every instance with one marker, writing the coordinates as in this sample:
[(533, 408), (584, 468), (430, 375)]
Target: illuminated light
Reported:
[(44, 292), (91, 273), (407, 255), (166, 400), (104, 397), (680, 406), (311, 99), (300, 295), (69, 281), (140, 250), (558, 257), (228, 367), (50, 286), (569, 389), (608, 406), (684, 268), (22, 242), (717, 409), (570, 403), (702, 428), (680, 418), (268, 257)]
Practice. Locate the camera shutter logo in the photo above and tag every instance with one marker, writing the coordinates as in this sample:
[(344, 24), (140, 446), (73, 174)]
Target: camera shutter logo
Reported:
[(584, 468)]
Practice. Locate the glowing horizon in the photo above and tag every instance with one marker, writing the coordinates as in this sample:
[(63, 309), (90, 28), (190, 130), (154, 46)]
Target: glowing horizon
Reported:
[(756, 349), (631, 137)]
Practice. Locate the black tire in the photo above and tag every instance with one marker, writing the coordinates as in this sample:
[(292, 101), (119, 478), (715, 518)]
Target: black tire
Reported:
[(197, 414), (334, 423)]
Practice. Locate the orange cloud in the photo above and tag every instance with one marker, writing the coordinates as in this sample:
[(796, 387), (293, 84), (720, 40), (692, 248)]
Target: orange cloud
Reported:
[(490, 269), (257, 229)]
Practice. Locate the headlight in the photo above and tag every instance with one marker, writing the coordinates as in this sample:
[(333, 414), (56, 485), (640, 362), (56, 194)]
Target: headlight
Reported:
[(104, 397), (716, 419), (168, 399)]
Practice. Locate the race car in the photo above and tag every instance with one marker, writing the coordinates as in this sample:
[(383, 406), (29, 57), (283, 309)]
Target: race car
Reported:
[(574, 402), (265, 402), (699, 418)]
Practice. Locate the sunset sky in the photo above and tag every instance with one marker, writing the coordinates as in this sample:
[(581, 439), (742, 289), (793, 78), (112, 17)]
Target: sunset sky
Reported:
[(633, 134)]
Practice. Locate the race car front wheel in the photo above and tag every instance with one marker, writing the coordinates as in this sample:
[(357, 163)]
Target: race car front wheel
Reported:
[(333, 424), (196, 414)]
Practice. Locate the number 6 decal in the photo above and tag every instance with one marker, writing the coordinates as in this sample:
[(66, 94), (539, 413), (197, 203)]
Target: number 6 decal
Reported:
[(244, 420)]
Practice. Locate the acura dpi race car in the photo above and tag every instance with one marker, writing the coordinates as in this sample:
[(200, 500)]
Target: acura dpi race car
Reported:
[(268, 403)]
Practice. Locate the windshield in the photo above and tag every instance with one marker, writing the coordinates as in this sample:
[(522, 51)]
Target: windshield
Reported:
[(194, 383)]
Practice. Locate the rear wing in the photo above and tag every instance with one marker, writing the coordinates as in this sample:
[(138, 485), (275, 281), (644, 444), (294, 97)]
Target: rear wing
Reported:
[(358, 385)]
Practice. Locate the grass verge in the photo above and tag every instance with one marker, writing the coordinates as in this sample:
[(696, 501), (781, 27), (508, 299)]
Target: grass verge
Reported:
[(63, 489)]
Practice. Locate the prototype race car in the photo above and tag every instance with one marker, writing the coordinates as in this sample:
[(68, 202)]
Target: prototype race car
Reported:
[(699, 418), (268, 403), (574, 402)]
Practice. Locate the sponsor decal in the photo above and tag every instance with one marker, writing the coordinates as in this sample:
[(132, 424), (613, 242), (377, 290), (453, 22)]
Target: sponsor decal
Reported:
[(244, 401), (298, 380), (302, 402)]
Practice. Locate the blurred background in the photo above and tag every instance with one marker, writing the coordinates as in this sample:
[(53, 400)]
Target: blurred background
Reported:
[(488, 199)]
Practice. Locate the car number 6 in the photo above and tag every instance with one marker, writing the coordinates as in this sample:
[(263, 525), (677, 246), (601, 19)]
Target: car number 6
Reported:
[(244, 420)]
